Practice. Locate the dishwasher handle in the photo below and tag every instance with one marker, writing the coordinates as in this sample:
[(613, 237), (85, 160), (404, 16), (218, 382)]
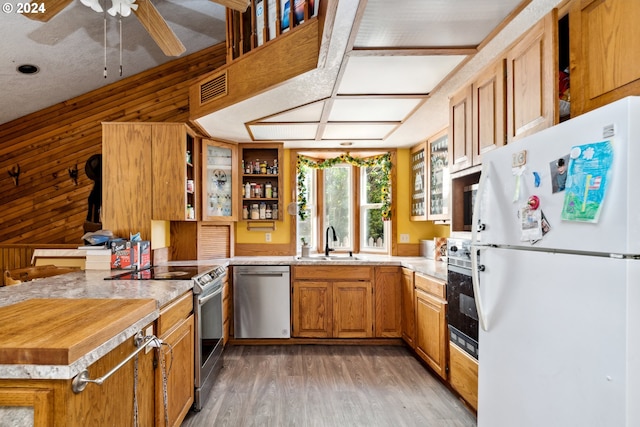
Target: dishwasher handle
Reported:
[(261, 273)]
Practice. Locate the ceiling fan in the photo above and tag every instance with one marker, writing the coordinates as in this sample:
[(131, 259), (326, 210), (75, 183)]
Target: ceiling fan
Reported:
[(144, 10)]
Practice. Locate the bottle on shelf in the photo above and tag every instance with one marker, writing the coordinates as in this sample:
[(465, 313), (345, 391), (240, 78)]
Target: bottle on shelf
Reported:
[(245, 212), (247, 190), (263, 211), (255, 213), (268, 193)]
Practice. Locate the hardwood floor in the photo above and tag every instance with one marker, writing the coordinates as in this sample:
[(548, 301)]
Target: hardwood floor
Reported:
[(318, 385)]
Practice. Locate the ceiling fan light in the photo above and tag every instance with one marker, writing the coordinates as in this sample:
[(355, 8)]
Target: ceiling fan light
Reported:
[(123, 7), (93, 4)]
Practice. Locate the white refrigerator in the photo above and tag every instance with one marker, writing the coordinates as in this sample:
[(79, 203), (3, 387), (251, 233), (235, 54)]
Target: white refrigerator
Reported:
[(557, 275)]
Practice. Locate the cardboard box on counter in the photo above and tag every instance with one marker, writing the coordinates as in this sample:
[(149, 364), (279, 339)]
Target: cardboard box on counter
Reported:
[(126, 254)]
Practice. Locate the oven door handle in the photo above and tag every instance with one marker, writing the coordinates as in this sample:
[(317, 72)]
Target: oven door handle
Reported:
[(475, 249), (204, 300)]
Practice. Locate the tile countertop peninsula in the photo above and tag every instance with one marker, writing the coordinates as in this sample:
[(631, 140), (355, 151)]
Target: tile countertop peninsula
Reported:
[(87, 285)]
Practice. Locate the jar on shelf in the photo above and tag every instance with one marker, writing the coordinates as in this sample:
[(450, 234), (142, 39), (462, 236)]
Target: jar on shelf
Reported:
[(274, 211), (263, 167), (268, 190), (190, 212), (274, 191), (245, 212), (268, 212), (248, 167), (256, 166), (263, 211), (255, 213)]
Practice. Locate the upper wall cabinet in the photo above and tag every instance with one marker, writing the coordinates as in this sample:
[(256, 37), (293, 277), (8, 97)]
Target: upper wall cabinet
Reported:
[(219, 181), (477, 118), (174, 172), (460, 135), (512, 98), (488, 105), (532, 75), (148, 173), (439, 183), (605, 64)]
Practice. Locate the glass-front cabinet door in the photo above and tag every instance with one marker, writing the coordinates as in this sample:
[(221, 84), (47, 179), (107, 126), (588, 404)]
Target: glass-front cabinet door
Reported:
[(418, 182), (439, 180), (219, 181)]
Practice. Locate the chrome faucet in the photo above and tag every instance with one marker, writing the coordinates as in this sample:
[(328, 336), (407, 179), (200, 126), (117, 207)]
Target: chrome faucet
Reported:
[(327, 249)]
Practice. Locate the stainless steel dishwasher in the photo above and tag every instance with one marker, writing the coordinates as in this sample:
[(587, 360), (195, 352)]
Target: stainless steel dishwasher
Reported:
[(261, 301)]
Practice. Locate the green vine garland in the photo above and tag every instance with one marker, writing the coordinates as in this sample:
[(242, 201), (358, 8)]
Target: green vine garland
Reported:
[(383, 161)]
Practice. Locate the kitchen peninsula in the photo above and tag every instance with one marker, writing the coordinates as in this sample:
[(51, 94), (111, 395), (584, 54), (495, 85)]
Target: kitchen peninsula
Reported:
[(47, 387)]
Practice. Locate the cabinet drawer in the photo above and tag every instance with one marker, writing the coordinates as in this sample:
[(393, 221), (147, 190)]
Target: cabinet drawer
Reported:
[(173, 312), (332, 272), (432, 286)]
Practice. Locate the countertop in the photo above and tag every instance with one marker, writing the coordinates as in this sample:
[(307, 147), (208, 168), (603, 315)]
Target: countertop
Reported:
[(430, 267), (90, 284)]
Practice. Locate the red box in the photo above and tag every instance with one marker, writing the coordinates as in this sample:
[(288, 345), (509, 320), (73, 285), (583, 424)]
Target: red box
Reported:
[(120, 254)]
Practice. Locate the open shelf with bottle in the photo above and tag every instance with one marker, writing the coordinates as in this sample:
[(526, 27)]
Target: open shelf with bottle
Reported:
[(261, 182)]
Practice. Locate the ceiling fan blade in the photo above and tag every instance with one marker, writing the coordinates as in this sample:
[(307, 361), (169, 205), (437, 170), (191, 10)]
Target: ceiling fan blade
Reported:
[(239, 5), (52, 8), (158, 28)]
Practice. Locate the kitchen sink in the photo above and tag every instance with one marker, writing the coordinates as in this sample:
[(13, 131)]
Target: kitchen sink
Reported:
[(331, 258)]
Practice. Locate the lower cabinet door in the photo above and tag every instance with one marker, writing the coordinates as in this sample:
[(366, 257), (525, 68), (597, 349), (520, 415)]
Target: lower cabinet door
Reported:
[(178, 378), (312, 309), (431, 331), (352, 310)]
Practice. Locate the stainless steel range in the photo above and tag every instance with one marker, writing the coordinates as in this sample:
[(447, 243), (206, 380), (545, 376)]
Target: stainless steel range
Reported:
[(209, 344), (208, 281)]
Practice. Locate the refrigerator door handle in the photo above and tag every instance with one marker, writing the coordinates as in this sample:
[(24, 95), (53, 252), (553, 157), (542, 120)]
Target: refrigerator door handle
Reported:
[(482, 318)]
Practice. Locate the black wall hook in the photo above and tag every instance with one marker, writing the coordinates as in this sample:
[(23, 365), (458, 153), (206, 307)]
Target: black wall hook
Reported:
[(73, 174), (14, 173)]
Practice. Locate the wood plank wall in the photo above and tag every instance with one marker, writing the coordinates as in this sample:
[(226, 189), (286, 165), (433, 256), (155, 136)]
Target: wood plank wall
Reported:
[(46, 206)]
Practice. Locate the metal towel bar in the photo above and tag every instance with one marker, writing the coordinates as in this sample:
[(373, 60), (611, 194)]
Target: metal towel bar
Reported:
[(81, 380)]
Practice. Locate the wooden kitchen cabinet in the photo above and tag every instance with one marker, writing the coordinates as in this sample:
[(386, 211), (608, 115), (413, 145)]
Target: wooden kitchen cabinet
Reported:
[(489, 114), (388, 302), (227, 308), (532, 76), (432, 339), (312, 309), (353, 309), (605, 64), (267, 174), (219, 181), (460, 130), (463, 374), (144, 176), (439, 184), (175, 368), (418, 182), (52, 403), (174, 157), (408, 307), (325, 305)]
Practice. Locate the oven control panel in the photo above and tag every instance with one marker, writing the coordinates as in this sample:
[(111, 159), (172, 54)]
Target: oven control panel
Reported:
[(459, 251)]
